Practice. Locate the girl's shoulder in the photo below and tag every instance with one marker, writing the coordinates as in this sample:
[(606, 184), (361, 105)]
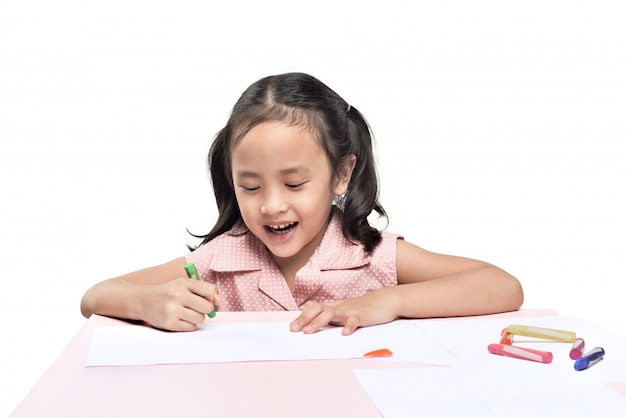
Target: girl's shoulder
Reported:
[(230, 251), (338, 252)]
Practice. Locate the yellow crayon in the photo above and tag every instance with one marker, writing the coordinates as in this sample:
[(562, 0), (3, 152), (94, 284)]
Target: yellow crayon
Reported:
[(545, 333)]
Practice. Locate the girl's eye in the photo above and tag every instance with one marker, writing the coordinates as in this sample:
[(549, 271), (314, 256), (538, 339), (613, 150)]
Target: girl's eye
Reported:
[(294, 185), (250, 189)]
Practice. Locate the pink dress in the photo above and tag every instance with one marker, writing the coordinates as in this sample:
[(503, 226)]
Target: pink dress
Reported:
[(248, 279)]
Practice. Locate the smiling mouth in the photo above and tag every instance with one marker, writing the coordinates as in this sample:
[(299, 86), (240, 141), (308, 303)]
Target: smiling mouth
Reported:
[(281, 229)]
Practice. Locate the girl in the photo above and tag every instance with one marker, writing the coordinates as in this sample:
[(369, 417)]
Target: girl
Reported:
[(294, 179)]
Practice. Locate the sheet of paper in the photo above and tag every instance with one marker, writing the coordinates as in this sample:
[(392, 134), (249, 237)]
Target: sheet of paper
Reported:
[(493, 392), (261, 341), (487, 385), (467, 340)]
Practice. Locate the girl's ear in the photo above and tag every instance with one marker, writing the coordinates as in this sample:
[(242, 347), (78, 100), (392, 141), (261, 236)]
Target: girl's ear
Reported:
[(343, 175)]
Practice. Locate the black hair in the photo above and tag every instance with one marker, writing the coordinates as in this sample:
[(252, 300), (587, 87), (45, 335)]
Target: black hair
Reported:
[(300, 99)]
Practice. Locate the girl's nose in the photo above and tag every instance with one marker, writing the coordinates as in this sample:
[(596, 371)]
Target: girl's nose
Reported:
[(273, 204)]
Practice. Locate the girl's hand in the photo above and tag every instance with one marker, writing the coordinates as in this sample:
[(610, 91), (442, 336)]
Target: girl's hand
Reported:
[(371, 309), (178, 305)]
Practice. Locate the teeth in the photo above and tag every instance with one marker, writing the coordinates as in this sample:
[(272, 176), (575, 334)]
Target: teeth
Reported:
[(282, 227)]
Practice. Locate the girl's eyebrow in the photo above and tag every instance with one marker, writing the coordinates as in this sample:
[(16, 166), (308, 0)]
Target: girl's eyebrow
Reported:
[(283, 172), (246, 174), (293, 170)]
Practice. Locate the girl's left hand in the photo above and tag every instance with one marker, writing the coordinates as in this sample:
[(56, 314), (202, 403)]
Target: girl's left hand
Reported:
[(370, 309)]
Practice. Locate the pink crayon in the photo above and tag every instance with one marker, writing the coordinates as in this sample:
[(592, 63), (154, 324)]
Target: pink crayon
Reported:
[(577, 349), (520, 353)]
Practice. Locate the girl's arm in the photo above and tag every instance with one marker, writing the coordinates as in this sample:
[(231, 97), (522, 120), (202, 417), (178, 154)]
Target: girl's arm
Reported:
[(430, 285), (162, 296), (438, 285)]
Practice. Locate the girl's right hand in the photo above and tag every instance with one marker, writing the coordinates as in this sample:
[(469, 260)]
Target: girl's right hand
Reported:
[(178, 305)]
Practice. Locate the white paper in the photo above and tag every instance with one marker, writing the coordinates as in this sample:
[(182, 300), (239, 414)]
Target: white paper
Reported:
[(463, 391), (467, 340), (260, 341), (488, 385)]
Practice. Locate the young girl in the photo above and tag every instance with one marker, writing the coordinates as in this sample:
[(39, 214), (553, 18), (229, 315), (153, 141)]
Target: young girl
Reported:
[(294, 179)]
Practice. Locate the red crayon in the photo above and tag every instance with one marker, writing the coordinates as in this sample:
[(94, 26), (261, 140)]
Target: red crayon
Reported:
[(506, 337)]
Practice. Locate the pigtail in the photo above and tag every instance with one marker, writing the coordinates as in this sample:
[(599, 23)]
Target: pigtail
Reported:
[(219, 167), (362, 196)]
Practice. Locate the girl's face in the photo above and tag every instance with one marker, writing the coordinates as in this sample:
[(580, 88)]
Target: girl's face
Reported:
[(284, 187)]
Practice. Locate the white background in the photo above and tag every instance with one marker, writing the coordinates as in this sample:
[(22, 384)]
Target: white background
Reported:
[(500, 131)]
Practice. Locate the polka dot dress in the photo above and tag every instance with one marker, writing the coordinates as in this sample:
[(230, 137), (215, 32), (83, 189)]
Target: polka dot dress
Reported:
[(249, 280)]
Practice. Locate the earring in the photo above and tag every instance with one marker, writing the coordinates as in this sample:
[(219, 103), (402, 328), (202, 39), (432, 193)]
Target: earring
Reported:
[(340, 201)]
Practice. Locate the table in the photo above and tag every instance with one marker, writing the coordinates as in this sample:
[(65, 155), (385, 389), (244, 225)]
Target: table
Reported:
[(277, 389)]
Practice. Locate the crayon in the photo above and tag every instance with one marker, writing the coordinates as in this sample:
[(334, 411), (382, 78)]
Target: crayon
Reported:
[(546, 333), (520, 353), (589, 359), (577, 349)]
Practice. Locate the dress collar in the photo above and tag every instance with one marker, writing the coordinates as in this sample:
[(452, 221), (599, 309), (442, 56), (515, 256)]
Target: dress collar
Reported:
[(334, 252)]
